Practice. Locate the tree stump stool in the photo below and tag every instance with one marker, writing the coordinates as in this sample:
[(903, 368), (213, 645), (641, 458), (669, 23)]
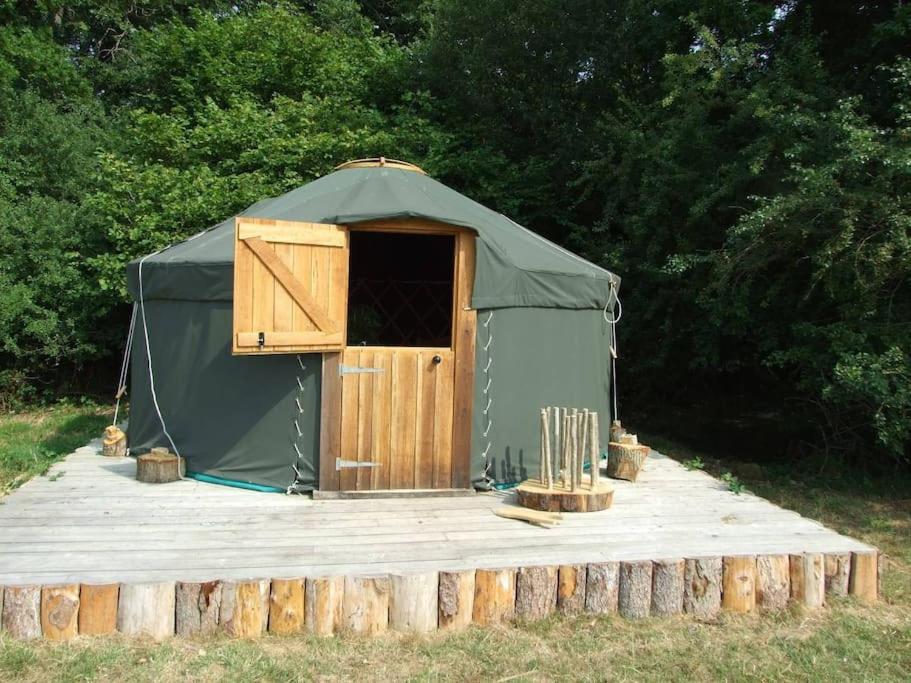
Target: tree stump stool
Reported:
[(625, 460), (159, 467), (114, 443)]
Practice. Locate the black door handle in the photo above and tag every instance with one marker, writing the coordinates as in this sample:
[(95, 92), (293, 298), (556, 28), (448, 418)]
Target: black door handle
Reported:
[(437, 359)]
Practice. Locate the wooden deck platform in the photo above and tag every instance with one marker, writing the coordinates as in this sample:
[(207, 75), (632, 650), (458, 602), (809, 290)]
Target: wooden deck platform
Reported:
[(88, 521)]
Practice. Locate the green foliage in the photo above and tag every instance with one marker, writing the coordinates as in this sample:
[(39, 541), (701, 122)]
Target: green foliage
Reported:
[(734, 484), (694, 463)]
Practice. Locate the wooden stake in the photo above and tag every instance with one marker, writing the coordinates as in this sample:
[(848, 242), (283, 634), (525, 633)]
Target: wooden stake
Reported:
[(739, 584), (286, 606), (558, 444), (494, 596), (566, 474), (366, 604), (667, 587), (536, 592), (456, 599), (98, 609), (808, 579), (147, 609), (594, 454), (22, 611), (60, 611), (583, 443), (635, 597), (773, 581), (547, 477), (413, 602), (323, 604), (571, 589), (602, 587), (198, 607), (702, 587), (863, 581), (838, 568)]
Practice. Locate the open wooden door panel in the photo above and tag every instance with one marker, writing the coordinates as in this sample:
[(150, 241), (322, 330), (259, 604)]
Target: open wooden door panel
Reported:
[(290, 286)]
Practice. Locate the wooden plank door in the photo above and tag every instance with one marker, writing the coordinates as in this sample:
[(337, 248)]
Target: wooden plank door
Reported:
[(396, 418), (290, 286)]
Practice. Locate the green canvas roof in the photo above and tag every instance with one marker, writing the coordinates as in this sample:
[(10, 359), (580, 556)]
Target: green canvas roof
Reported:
[(514, 266)]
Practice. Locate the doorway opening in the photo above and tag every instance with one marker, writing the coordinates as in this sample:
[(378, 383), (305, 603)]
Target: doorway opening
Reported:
[(400, 289)]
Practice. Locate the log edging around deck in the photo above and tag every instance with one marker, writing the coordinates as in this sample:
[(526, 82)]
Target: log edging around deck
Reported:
[(424, 602)]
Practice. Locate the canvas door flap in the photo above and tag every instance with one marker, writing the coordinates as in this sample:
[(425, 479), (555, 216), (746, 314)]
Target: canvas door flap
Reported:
[(290, 286)]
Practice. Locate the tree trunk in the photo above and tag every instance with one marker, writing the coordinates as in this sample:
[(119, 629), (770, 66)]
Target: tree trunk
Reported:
[(571, 589), (60, 611), (739, 584), (667, 587), (366, 604), (602, 587), (773, 581), (414, 602), (323, 604), (494, 596), (147, 609), (198, 607), (536, 592), (456, 599), (635, 596), (702, 587), (22, 612), (286, 606), (98, 609)]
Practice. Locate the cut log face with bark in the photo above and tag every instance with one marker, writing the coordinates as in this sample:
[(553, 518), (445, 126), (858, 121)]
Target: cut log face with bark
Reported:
[(536, 592), (808, 585), (22, 612), (773, 581), (60, 611), (635, 598), (702, 587), (456, 600), (413, 602), (157, 467), (98, 608), (571, 589), (602, 587), (198, 607), (244, 608), (667, 587), (494, 596), (838, 568)]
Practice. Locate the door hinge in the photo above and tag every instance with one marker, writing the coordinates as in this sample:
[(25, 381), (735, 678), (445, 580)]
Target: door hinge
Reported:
[(348, 464), (354, 370)]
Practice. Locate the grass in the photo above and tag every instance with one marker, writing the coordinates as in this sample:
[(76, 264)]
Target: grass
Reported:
[(846, 640), (30, 442)]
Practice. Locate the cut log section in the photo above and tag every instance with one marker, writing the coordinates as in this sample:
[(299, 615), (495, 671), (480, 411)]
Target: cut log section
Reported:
[(738, 591), (635, 597), (773, 581), (456, 601), (286, 606), (114, 443), (534, 495), (147, 609), (244, 610), (808, 579), (198, 607), (571, 589), (838, 569), (98, 609), (22, 611), (667, 587), (494, 596), (536, 592), (702, 587), (864, 578), (366, 604), (602, 587), (60, 611), (626, 460), (159, 467), (413, 602), (323, 604)]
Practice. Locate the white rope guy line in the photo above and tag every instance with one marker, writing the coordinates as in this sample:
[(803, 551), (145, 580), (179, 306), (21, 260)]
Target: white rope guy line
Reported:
[(612, 321), (486, 392)]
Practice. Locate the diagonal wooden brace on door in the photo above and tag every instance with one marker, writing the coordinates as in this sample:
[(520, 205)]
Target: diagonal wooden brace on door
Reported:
[(291, 284)]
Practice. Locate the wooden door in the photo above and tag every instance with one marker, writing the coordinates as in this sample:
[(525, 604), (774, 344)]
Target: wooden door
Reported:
[(290, 286), (397, 408), (400, 417)]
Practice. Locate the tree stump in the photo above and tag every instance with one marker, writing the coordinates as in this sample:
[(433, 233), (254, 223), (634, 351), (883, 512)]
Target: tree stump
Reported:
[(635, 596), (159, 467), (534, 495), (286, 606), (667, 587), (114, 442), (702, 587), (625, 461), (244, 610), (60, 611), (494, 596), (863, 580), (838, 568), (808, 579), (98, 609), (602, 587), (22, 611), (413, 602), (366, 604), (198, 607), (571, 589), (738, 592), (536, 592), (773, 581), (146, 609), (323, 604), (456, 599)]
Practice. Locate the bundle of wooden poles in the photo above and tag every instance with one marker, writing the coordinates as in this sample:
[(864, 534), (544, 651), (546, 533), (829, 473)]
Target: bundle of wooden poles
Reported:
[(564, 448)]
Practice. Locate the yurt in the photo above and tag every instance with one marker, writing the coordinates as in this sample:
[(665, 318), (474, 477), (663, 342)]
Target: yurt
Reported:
[(370, 330)]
